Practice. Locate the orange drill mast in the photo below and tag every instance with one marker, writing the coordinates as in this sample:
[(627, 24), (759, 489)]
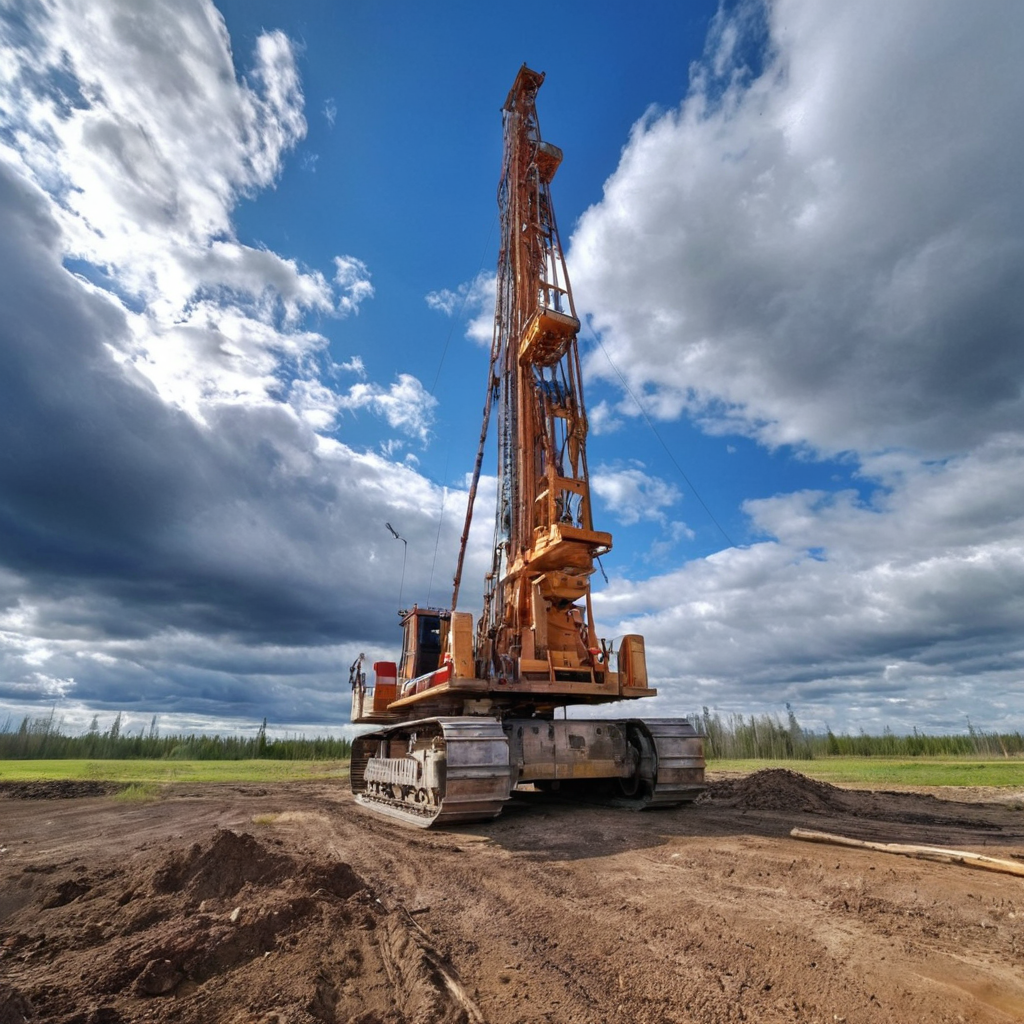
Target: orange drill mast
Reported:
[(464, 720), (535, 646), (544, 540)]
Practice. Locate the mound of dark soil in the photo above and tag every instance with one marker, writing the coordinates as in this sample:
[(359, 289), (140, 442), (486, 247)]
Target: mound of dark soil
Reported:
[(221, 868), (61, 789), (227, 929), (778, 789)]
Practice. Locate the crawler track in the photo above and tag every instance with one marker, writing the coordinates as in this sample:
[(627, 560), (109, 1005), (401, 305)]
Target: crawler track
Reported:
[(678, 776), (475, 784), (474, 777), (668, 759)]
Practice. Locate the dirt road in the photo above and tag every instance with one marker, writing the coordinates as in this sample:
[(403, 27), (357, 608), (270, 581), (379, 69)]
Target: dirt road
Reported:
[(290, 904)]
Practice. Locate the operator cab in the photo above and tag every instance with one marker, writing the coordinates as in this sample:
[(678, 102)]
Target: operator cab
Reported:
[(422, 641)]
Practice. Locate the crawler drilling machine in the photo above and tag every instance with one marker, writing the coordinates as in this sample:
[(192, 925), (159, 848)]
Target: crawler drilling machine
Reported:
[(469, 713)]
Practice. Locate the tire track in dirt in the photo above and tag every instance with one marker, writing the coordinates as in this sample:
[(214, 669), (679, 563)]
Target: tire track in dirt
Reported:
[(722, 919), (583, 915), (485, 924)]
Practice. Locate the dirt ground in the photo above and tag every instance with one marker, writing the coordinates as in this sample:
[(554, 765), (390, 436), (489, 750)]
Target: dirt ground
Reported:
[(290, 904)]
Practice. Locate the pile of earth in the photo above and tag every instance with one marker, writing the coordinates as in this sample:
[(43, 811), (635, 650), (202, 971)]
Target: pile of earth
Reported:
[(781, 790), (778, 789), (230, 929)]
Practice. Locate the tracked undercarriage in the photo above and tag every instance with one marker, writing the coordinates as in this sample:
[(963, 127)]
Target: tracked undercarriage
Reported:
[(469, 714), (436, 771), (439, 771)]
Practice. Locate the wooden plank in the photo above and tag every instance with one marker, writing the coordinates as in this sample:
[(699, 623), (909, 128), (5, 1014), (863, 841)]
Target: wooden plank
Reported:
[(937, 853)]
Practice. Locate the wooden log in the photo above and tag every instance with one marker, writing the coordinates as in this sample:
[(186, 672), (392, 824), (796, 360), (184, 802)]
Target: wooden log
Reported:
[(965, 857)]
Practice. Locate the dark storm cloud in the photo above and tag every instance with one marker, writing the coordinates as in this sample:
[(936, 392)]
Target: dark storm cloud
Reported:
[(179, 532), (123, 519), (109, 491)]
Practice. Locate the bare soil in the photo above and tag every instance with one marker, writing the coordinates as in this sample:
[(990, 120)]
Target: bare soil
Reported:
[(288, 904)]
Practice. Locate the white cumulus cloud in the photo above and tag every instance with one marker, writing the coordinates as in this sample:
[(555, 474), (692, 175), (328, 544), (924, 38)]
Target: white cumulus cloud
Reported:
[(353, 277), (473, 299), (134, 126), (631, 494), (822, 246), (830, 254), (405, 404)]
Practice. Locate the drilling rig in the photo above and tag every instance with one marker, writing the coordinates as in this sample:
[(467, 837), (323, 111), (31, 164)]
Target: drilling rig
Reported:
[(468, 713)]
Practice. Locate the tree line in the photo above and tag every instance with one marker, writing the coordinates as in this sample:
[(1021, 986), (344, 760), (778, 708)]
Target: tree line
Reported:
[(39, 738), (735, 737), (768, 737)]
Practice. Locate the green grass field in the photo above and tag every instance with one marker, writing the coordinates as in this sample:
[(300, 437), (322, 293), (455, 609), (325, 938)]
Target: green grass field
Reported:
[(883, 771), (153, 771), (867, 771)]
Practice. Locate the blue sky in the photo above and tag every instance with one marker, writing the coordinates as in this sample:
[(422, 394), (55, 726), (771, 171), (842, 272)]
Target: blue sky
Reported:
[(251, 251), (407, 177)]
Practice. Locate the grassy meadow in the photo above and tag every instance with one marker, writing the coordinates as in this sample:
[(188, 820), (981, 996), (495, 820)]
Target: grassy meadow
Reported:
[(869, 772), (879, 772), (150, 771)]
